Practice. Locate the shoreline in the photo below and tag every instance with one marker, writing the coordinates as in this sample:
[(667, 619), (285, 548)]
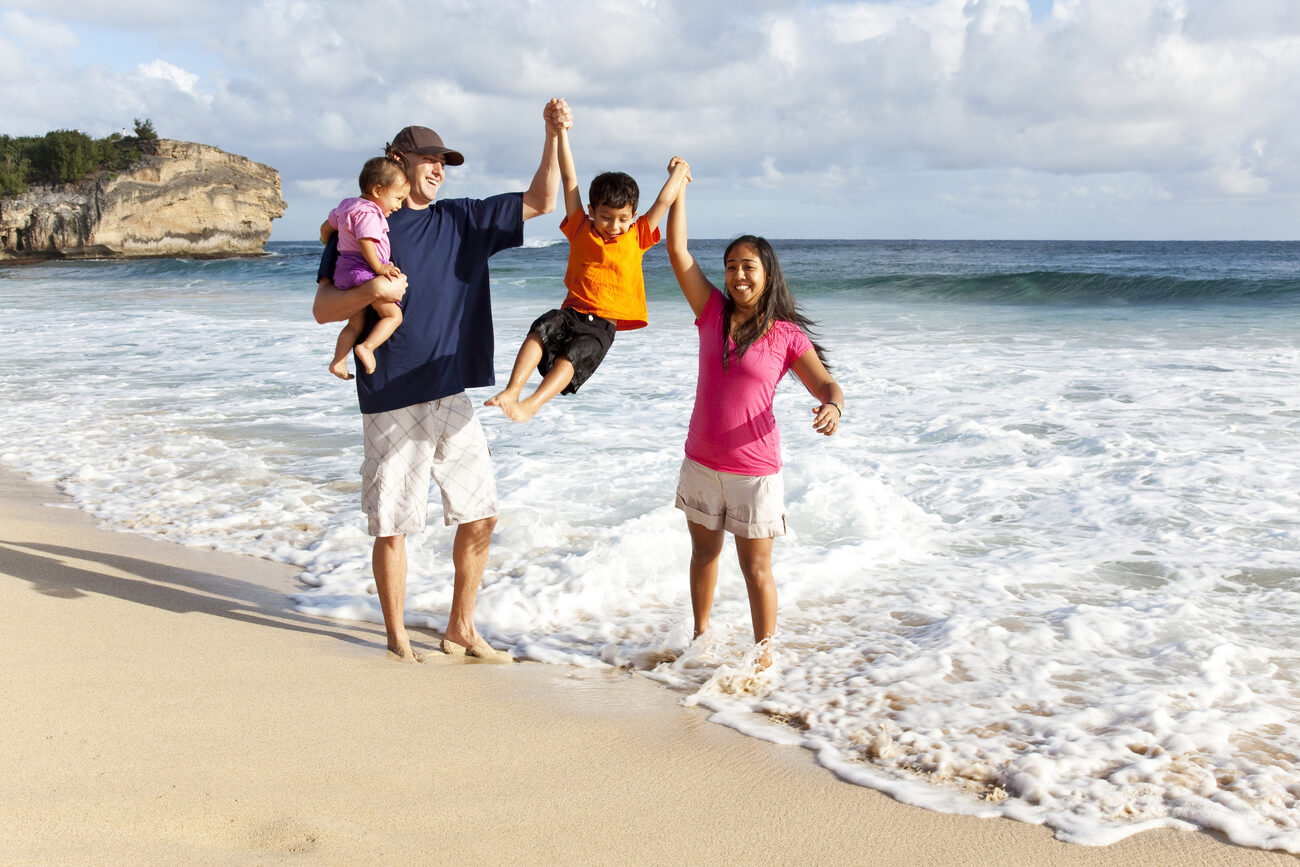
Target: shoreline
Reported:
[(167, 704)]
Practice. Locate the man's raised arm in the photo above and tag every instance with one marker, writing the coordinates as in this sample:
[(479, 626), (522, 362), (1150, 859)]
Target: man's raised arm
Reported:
[(539, 198)]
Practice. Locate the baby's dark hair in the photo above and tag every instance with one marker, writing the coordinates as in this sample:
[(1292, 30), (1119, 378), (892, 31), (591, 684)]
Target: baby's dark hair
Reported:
[(613, 190), (381, 172)]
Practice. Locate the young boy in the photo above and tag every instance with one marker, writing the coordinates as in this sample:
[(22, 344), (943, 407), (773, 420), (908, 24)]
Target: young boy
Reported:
[(604, 279)]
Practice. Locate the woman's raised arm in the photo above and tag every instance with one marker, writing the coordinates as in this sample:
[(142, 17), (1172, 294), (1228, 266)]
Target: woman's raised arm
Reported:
[(695, 286)]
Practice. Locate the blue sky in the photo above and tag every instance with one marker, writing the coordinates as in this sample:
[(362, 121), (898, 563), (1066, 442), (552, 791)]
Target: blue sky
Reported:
[(900, 119)]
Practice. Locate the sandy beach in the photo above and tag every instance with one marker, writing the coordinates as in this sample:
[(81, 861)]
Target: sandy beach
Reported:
[(164, 704)]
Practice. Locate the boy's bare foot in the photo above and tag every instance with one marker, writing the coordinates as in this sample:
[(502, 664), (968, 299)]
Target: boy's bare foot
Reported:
[(365, 356), (340, 369), (514, 410)]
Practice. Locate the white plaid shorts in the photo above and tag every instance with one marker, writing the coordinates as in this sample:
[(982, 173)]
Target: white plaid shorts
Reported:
[(404, 448)]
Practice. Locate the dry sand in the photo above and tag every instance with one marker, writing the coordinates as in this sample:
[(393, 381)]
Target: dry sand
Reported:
[(162, 704)]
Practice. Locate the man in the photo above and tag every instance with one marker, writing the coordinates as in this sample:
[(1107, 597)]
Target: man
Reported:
[(417, 420)]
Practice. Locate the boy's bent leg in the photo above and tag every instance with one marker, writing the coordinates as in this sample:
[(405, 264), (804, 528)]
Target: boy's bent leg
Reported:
[(573, 360), (526, 361), (388, 559), (555, 381)]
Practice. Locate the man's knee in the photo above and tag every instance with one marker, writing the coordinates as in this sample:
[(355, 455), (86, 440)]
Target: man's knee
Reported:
[(390, 543), (473, 541), (480, 529)]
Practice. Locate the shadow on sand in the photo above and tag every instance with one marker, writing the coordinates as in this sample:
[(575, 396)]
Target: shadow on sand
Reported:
[(54, 571)]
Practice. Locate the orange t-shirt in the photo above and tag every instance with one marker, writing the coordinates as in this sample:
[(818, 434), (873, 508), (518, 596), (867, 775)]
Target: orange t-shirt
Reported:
[(604, 277)]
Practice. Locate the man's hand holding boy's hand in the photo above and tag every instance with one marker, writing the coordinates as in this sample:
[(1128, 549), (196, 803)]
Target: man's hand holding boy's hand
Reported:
[(558, 115), (677, 164)]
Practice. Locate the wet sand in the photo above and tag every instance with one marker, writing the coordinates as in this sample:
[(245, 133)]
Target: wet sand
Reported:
[(165, 704)]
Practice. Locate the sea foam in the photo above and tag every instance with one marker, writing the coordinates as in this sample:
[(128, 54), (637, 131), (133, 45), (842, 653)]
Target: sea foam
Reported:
[(1048, 569)]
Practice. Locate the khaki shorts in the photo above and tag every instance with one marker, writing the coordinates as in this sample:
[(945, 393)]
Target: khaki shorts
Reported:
[(751, 507), (406, 447)]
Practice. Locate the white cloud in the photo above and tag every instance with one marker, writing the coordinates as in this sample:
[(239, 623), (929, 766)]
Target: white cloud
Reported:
[(12, 66), (39, 34), (326, 188), (161, 70), (1190, 97)]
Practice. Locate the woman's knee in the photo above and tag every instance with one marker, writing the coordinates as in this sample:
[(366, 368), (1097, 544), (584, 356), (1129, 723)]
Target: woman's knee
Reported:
[(706, 544), (755, 556)]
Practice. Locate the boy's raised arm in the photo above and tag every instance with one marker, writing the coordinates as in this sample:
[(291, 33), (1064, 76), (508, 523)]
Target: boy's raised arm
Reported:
[(568, 176), (695, 286)]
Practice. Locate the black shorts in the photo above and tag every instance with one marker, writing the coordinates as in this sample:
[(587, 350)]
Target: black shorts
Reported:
[(580, 337)]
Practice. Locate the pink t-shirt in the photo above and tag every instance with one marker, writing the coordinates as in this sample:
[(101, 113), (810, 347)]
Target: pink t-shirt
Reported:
[(733, 428), (360, 218)]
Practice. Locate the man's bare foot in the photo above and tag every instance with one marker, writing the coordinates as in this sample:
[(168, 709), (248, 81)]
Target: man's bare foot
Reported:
[(405, 654), (365, 356), (340, 369), (474, 645), (483, 651), (510, 405)]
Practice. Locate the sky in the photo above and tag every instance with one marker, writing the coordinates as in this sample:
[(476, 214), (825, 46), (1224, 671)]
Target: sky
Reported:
[(971, 119)]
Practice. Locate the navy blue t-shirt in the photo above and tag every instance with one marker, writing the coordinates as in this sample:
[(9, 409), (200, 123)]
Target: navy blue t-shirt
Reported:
[(444, 344)]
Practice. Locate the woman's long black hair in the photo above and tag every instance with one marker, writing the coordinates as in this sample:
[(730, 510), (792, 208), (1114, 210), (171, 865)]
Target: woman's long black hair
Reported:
[(775, 304)]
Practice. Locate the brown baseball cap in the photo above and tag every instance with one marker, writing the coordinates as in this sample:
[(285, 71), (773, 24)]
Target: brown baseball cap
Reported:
[(424, 141)]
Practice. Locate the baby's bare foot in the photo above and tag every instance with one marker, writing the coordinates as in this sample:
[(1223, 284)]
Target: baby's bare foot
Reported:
[(340, 369), (365, 356)]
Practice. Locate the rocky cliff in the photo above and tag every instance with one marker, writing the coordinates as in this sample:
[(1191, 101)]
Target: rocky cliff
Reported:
[(179, 199)]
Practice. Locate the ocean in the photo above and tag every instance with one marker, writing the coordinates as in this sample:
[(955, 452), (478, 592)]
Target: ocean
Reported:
[(1049, 569)]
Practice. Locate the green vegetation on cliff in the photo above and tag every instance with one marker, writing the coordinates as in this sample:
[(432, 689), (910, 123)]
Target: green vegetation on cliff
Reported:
[(65, 155)]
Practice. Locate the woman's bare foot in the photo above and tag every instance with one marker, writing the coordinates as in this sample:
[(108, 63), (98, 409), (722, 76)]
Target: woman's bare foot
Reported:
[(365, 356), (340, 369)]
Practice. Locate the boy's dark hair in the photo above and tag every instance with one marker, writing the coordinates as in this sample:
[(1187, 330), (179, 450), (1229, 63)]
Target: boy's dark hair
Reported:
[(613, 190), (380, 172)]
